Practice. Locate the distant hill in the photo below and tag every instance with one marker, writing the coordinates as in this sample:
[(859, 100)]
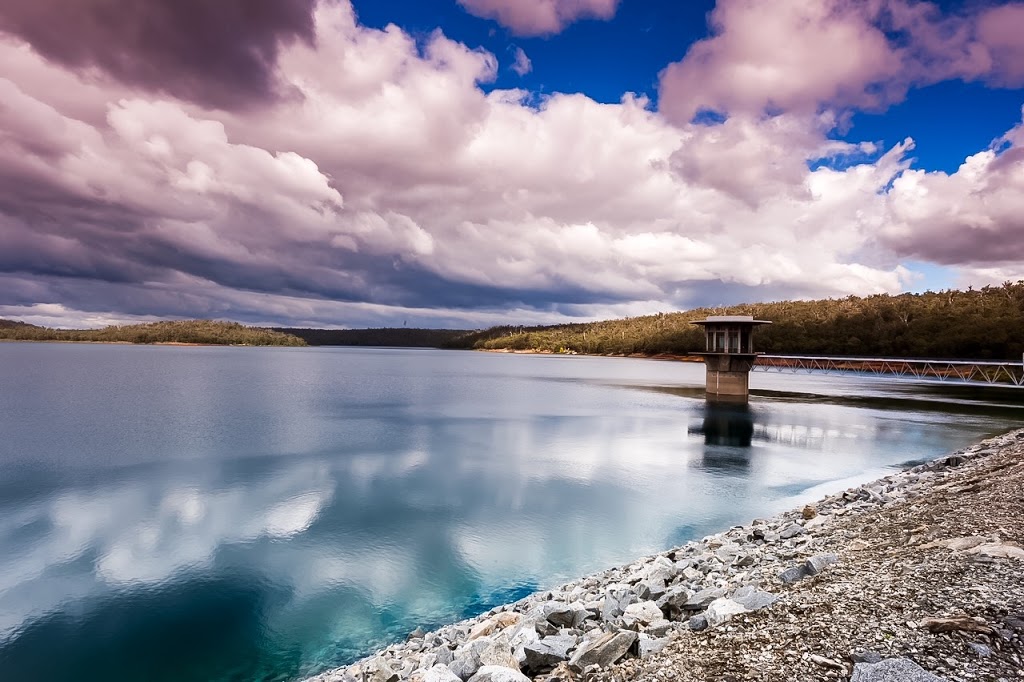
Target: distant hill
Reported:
[(393, 336), (987, 323), (14, 324), (976, 324), (176, 331)]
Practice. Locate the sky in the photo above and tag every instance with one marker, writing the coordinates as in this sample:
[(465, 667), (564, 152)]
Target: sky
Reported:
[(466, 163)]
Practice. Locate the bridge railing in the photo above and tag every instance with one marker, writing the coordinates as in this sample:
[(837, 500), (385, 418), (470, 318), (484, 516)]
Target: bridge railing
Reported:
[(1000, 373)]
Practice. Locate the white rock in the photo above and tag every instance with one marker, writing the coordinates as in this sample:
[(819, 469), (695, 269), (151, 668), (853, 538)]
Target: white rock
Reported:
[(642, 613), (497, 673), (648, 645), (816, 522), (721, 610), (440, 673), (998, 550)]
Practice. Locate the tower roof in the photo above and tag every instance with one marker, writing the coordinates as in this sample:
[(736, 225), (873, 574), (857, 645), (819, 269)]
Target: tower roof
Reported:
[(730, 319)]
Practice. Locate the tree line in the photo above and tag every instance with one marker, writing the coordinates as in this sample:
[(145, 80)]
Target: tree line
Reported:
[(207, 332), (978, 324), (399, 337), (985, 323)]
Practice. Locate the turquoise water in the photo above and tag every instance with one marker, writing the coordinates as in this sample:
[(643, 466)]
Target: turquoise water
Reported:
[(189, 513)]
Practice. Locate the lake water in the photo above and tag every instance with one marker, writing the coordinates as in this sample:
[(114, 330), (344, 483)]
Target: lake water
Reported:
[(189, 513)]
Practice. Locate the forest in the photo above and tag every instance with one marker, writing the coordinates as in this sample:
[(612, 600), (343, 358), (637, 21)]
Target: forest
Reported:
[(212, 332), (976, 324), (397, 337)]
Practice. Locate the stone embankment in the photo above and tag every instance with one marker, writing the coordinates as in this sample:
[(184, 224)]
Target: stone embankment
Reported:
[(917, 576)]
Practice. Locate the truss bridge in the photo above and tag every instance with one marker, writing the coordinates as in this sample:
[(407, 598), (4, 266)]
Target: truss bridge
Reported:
[(977, 372)]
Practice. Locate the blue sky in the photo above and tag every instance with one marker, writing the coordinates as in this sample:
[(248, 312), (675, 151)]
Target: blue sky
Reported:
[(462, 163), (646, 37), (949, 120)]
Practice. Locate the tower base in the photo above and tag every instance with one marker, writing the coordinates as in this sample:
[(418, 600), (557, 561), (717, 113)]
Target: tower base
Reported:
[(728, 376)]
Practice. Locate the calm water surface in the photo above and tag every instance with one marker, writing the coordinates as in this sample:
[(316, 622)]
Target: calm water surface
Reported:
[(182, 513)]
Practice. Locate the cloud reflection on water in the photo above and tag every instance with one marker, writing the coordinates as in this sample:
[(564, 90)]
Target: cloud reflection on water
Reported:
[(562, 495), (418, 512)]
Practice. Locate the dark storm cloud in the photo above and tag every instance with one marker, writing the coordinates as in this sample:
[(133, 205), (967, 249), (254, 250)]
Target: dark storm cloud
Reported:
[(95, 256), (46, 230), (311, 271), (220, 53), (960, 241), (80, 244)]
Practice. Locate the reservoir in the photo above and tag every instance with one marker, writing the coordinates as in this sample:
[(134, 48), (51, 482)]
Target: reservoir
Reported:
[(206, 513)]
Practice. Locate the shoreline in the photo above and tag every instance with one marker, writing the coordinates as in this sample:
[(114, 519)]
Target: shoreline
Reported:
[(639, 356), (154, 343), (667, 611)]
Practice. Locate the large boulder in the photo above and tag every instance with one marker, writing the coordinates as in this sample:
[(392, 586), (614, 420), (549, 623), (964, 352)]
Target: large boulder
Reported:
[(558, 613), (498, 652), (603, 651), (722, 610), (648, 646), (650, 588), (661, 569), (818, 563), (791, 531), (474, 646), (752, 598), (675, 598), (494, 624), (702, 599), (892, 670), (616, 598), (466, 660), (659, 627), (794, 574), (692, 574), (377, 670), (548, 652), (440, 673), (525, 635), (641, 613), (580, 614), (728, 552), (497, 673), (465, 665)]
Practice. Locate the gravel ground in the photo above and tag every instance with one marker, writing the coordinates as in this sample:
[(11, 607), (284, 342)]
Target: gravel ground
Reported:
[(895, 572)]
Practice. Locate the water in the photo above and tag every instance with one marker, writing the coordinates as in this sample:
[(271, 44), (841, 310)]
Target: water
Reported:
[(187, 513)]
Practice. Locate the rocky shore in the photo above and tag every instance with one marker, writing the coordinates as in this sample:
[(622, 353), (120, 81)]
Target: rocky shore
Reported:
[(918, 576)]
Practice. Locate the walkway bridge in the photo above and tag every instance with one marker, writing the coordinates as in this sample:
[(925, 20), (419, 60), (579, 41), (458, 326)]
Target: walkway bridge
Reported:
[(975, 372)]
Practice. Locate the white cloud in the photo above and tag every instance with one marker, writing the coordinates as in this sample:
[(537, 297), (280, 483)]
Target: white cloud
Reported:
[(392, 183), (791, 54), (801, 55), (522, 64), (539, 17), (974, 216)]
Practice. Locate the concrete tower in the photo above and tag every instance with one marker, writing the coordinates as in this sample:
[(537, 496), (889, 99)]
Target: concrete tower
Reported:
[(728, 356)]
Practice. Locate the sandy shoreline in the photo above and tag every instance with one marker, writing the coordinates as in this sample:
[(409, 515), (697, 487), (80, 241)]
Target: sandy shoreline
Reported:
[(814, 593)]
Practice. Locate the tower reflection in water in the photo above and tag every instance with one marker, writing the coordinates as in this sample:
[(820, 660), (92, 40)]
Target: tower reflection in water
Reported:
[(727, 424), (728, 430)]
